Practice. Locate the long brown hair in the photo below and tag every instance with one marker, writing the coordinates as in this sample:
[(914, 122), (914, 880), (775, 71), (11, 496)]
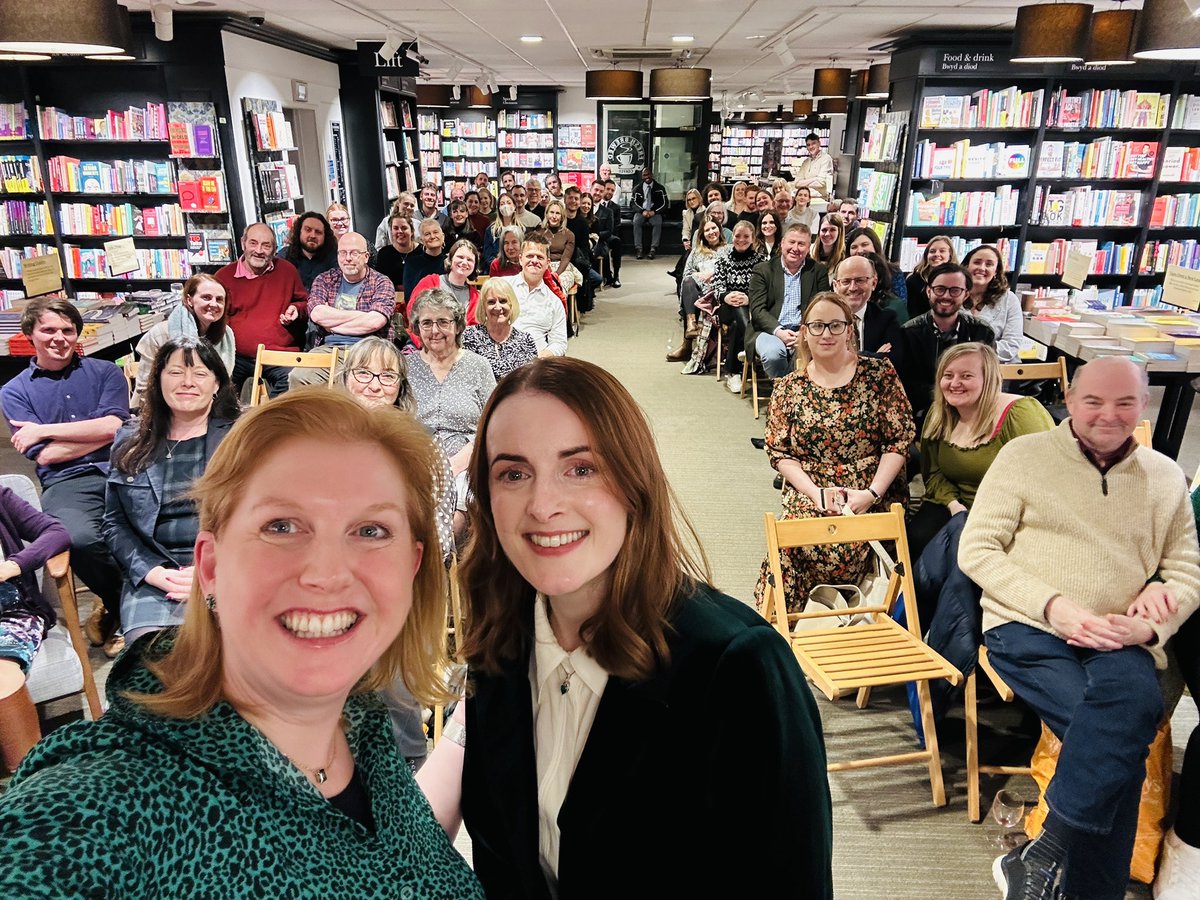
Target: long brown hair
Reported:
[(923, 267), (192, 672), (838, 252), (654, 567), (996, 288)]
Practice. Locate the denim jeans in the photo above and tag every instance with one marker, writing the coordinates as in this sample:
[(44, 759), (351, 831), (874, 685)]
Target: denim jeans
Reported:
[(1105, 706), (640, 222), (776, 359)]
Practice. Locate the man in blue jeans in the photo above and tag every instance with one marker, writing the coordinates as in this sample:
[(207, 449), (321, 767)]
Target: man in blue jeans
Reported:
[(1084, 545), (780, 289)]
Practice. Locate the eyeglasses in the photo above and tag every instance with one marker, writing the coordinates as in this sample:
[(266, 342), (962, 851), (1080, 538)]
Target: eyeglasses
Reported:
[(834, 328), (350, 254), (857, 282), (940, 291), (366, 376), (339, 221), (439, 324)]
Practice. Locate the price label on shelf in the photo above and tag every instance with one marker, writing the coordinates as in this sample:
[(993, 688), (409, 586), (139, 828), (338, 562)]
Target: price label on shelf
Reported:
[(41, 274)]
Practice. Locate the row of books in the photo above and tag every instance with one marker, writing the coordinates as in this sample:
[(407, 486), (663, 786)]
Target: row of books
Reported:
[(912, 250), (965, 208), (1004, 108), (280, 223), (121, 219), (468, 148), (279, 181), (581, 180), (427, 122), (876, 189), (430, 141), (1084, 207), (486, 128), (1112, 108), (577, 159), (20, 174), (523, 160), (1181, 164), (1101, 158), (516, 119), (24, 217), (882, 143), (148, 123), (120, 176), (1175, 210), (202, 192), (1160, 340), (1157, 255), (391, 154), (10, 257), (192, 140), (391, 177), (272, 132), (469, 168), (527, 140), (387, 113), (159, 263), (583, 135), (431, 160), (14, 122), (1187, 112), (962, 159), (1050, 258)]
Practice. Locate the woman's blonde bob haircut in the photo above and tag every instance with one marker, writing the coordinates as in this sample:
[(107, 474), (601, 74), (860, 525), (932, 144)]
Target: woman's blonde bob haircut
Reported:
[(504, 289), (192, 671), (942, 418)]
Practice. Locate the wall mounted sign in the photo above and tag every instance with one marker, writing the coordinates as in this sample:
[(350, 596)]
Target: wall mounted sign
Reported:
[(371, 63)]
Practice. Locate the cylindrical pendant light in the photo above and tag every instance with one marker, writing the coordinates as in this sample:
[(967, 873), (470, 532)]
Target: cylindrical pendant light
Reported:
[(127, 54), (1167, 29), (1110, 40), (437, 95), (61, 27), (680, 84), (879, 80), (831, 106), (831, 82), (783, 115), (613, 84), (802, 107), (1052, 32), (758, 116), (477, 97)]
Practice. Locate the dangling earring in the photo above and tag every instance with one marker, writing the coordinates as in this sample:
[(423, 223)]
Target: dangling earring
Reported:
[(210, 601)]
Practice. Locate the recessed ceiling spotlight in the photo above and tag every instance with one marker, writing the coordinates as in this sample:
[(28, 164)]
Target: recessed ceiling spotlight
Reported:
[(682, 38), (755, 37), (531, 39)]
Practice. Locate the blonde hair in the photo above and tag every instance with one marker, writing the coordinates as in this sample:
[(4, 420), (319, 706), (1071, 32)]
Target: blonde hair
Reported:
[(499, 286), (562, 209), (942, 418), (803, 354), (192, 671)]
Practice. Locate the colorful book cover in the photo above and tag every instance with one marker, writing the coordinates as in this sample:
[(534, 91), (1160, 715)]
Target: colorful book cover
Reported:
[(220, 250), (203, 136), (90, 177), (190, 197), (181, 144), (1071, 112), (1139, 162)]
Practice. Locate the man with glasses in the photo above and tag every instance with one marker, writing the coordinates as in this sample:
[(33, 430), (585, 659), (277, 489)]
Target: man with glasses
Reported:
[(347, 304), (266, 303), (779, 291), (927, 336), (878, 329), (533, 198), (543, 315)]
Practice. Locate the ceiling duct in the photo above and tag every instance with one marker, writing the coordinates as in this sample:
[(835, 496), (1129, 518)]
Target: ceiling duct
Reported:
[(635, 54)]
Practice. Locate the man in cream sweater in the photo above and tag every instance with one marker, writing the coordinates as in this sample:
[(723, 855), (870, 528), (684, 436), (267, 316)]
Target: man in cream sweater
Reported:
[(1084, 545)]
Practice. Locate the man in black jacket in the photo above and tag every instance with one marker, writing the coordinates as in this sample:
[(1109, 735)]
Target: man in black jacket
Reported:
[(615, 245), (877, 328), (648, 203), (928, 335)]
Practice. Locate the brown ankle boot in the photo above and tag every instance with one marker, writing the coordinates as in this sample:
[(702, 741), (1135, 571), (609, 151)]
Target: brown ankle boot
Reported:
[(682, 352), (691, 330), (19, 728)]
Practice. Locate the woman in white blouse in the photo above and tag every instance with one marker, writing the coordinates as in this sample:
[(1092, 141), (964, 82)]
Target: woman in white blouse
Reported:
[(610, 682)]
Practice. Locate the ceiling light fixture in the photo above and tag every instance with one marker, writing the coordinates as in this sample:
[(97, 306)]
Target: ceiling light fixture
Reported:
[(879, 81), (832, 106), (60, 27), (434, 95), (613, 84), (24, 57), (455, 93), (785, 54), (126, 41), (783, 115), (163, 15), (831, 82), (1167, 29), (1110, 38), (803, 107), (680, 84), (453, 72), (682, 38), (1052, 33), (531, 39), (512, 93), (391, 43)]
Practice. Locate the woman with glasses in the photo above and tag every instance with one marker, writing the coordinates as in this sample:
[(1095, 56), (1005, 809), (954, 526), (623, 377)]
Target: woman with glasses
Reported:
[(339, 223), (505, 348), (992, 301), (838, 431), (449, 383)]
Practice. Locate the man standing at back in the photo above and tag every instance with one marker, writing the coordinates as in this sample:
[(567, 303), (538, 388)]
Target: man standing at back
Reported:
[(1084, 545), (780, 289), (266, 302), (64, 410), (816, 171), (648, 202)]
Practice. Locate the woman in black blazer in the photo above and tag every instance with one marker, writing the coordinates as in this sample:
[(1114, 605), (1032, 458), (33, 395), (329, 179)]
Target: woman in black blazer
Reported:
[(633, 732), (149, 524)]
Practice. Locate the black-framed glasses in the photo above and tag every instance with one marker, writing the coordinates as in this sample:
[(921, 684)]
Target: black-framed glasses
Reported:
[(942, 291), (834, 328), (366, 376), (439, 324)]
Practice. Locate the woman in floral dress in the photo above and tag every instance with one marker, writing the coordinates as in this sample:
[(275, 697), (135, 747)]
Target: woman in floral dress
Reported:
[(838, 430)]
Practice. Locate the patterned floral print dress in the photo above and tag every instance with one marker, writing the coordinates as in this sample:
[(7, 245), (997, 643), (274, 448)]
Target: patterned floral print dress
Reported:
[(838, 435)]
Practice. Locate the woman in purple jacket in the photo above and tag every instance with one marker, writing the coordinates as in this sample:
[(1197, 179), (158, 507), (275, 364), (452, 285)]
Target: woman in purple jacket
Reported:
[(28, 537)]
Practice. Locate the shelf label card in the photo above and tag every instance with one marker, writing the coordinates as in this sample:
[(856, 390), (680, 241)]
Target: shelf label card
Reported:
[(121, 256), (1076, 268), (41, 274), (1181, 287)]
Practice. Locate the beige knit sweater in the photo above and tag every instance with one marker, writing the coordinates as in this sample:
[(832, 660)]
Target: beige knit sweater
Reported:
[(1043, 524)]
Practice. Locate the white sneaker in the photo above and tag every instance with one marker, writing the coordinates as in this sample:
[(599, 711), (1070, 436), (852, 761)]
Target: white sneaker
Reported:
[(734, 383), (1178, 871)]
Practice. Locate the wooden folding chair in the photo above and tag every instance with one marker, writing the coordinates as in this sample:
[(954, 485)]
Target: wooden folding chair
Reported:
[(322, 359), (130, 369), (750, 377), (1141, 434), (573, 309), (878, 651), (454, 625), (1042, 371)]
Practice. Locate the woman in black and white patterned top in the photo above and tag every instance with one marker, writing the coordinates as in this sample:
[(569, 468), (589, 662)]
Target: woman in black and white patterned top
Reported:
[(505, 348)]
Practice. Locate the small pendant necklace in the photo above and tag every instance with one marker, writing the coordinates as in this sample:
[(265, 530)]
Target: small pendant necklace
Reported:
[(171, 447), (320, 775)]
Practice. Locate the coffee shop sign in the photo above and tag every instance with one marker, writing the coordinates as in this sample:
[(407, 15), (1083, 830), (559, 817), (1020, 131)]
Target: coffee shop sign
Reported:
[(966, 61), (628, 153)]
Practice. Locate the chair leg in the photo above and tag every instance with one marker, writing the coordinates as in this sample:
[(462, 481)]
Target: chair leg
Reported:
[(745, 378), (864, 697), (931, 745), (70, 611), (720, 358), (971, 714), (754, 388)]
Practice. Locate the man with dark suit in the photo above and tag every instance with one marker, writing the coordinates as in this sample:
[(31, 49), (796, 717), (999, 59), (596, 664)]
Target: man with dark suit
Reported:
[(615, 244), (780, 289), (878, 329), (649, 202)]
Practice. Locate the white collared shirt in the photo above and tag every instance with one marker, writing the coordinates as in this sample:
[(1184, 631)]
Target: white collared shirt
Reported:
[(860, 322), (542, 315), (562, 721)]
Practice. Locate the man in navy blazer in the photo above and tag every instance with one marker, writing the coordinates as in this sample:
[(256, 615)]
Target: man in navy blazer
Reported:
[(780, 289), (878, 329)]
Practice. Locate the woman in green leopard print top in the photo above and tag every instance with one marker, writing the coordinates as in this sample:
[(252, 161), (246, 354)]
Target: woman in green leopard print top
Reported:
[(243, 755)]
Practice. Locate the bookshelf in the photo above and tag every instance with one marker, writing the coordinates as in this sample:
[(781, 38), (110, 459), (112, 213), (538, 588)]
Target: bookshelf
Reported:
[(714, 150), (743, 145), (276, 183), (398, 125), (576, 154), (430, 136), (878, 173), (469, 143), (525, 140), (1043, 160)]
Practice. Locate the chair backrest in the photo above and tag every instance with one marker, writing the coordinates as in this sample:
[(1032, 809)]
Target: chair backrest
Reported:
[(823, 530), (1144, 434), (130, 369), (324, 359), (1037, 372), (23, 487)]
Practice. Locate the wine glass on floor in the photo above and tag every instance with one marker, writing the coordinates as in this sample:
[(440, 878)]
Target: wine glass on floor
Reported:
[(1008, 809)]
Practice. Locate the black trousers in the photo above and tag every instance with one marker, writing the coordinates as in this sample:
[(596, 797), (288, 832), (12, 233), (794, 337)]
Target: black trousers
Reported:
[(1186, 644), (78, 503), (276, 377)]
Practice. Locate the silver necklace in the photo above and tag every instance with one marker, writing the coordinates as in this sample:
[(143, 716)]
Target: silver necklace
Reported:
[(171, 447)]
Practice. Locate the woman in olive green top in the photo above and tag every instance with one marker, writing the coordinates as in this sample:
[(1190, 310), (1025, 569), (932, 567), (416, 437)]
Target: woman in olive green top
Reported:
[(968, 423)]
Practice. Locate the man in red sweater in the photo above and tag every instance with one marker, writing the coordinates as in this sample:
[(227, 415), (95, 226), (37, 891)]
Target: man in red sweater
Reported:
[(267, 305)]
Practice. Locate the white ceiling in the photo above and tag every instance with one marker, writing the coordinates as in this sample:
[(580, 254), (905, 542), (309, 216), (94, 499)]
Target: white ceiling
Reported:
[(735, 38)]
